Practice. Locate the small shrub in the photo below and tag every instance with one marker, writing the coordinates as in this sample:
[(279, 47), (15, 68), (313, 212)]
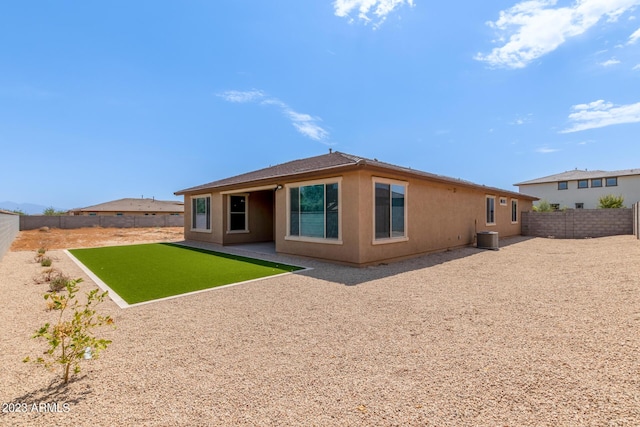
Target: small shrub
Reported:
[(46, 275), (70, 338), (46, 262), (42, 251), (611, 202), (543, 206), (58, 282)]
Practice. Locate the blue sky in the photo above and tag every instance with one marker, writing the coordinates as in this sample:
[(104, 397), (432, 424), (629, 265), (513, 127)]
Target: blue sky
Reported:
[(105, 100)]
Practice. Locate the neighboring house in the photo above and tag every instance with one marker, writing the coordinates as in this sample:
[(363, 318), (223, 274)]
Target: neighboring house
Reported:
[(132, 207), (349, 209), (582, 189)]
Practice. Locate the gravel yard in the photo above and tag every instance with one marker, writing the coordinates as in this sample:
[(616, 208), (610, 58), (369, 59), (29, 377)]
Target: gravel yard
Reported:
[(543, 332)]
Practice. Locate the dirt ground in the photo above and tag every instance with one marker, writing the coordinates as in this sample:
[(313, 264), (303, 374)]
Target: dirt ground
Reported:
[(55, 238), (543, 332)]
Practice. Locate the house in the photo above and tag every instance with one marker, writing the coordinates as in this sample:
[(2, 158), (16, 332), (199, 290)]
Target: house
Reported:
[(132, 206), (349, 209), (582, 189)]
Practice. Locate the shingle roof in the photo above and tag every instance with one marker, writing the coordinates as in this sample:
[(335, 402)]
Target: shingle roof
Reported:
[(326, 162), (576, 174), (135, 205)]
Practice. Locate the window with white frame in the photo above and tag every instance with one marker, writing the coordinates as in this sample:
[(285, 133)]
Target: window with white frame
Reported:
[(491, 210), (314, 211), (238, 219), (201, 213), (514, 210), (390, 210)]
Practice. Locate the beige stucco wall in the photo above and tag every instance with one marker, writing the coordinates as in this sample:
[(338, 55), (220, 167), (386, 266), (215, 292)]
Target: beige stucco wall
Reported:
[(440, 216)]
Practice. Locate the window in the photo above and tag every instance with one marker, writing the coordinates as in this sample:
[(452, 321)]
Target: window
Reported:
[(503, 201), (238, 218), (119, 214), (563, 185), (583, 183), (579, 205), (201, 213), (596, 182), (555, 206), (491, 210), (389, 210), (612, 182), (514, 211), (313, 211)]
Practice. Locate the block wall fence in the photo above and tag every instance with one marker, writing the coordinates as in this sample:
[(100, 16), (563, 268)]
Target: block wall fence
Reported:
[(9, 227), (32, 222), (579, 223), (636, 220)]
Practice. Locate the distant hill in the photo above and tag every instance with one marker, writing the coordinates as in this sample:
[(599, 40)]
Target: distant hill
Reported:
[(28, 208)]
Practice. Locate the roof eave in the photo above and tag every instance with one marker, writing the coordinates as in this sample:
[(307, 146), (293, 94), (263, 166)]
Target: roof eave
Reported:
[(264, 181)]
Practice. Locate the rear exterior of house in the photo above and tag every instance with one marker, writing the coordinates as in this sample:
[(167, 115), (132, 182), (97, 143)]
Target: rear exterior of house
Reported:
[(348, 209)]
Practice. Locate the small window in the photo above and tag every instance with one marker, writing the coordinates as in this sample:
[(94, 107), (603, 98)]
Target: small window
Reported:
[(579, 205), (389, 210), (119, 214), (491, 210), (92, 214), (503, 201), (201, 213), (612, 182), (563, 185), (514, 211), (555, 206), (237, 212), (583, 183), (596, 182)]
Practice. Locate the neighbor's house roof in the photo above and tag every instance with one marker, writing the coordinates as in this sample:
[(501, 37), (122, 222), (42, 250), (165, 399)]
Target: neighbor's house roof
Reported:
[(135, 205), (334, 161), (576, 174)]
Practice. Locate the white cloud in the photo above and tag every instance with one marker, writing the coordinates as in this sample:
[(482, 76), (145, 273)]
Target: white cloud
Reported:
[(634, 37), (547, 150), (599, 114), (522, 120), (365, 8), (610, 62), (637, 67), (241, 96), (533, 28), (304, 123)]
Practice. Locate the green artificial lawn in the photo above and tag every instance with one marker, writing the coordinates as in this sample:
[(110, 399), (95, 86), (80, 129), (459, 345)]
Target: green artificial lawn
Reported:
[(146, 272)]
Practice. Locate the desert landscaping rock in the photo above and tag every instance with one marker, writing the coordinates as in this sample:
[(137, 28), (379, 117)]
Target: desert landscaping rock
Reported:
[(542, 332)]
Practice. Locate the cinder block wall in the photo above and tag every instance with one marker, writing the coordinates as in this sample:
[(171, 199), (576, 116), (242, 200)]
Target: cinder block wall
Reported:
[(32, 222), (9, 227), (636, 219), (578, 223)]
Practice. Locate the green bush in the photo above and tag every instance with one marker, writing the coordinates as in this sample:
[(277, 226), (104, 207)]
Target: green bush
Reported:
[(543, 206), (46, 262), (611, 202)]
